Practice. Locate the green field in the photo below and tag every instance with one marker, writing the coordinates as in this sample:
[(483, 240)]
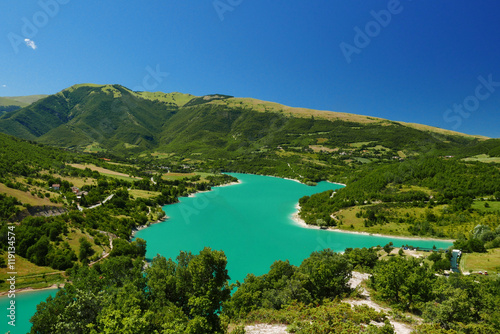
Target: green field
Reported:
[(480, 206), (180, 176), (73, 239), (348, 218), (31, 275), (483, 158), (94, 148), (179, 99), (475, 262), (136, 193), (26, 197), (106, 172)]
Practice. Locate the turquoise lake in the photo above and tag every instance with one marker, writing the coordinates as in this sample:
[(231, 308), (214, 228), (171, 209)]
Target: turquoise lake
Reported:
[(251, 222), (26, 303)]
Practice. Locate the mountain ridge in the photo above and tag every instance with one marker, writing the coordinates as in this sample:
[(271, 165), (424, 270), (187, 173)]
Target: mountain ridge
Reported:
[(181, 99), (112, 118)]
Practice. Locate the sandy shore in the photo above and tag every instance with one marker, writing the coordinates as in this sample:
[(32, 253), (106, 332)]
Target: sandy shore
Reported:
[(222, 185), (229, 184), (299, 221), (286, 178), (341, 184), (142, 227), (53, 287)]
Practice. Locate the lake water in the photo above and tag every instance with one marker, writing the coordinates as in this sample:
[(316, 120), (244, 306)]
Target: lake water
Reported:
[(26, 303), (251, 222)]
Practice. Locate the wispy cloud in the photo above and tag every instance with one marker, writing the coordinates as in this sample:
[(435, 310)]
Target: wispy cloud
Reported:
[(30, 43), (4, 86)]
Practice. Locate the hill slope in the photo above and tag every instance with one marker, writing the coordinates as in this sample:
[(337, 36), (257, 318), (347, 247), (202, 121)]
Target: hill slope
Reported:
[(21, 101), (11, 103), (115, 119)]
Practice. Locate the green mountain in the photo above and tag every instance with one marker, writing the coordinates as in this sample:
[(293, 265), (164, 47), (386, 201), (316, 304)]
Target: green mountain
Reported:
[(114, 119)]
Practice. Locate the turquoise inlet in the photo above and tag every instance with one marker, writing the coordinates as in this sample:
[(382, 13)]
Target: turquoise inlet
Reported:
[(25, 307), (252, 223)]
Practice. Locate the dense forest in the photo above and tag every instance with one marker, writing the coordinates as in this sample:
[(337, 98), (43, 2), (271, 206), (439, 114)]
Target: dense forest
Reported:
[(192, 295), (445, 189)]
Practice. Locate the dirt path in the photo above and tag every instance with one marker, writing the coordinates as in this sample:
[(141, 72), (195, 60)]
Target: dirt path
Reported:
[(106, 254), (266, 329), (356, 280)]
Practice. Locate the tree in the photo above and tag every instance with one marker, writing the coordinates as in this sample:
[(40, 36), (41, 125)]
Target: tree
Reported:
[(497, 195), (388, 248), (454, 306), (3, 263), (321, 223), (69, 312), (209, 286), (85, 249), (123, 312), (441, 265), (470, 246), (404, 281), (135, 248), (362, 257), (328, 272), (198, 285), (38, 252)]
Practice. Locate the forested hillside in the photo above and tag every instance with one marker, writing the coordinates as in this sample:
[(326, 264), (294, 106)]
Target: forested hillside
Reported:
[(68, 207), (424, 196)]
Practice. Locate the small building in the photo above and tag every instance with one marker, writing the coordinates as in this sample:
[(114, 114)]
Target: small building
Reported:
[(455, 260), (75, 190), (56, 186), (79, 194)]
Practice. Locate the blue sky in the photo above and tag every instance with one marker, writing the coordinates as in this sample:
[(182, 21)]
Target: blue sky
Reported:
[(423, 61)]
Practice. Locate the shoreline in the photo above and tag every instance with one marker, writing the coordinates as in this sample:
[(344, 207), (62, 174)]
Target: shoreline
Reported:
[(22, 290), (229, 184), (286, 178), (142, 227), (300, 222), (220, 186)]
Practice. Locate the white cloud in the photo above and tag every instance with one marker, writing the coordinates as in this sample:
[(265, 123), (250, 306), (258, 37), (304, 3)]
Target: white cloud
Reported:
[(30, 43), (3, 86)]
